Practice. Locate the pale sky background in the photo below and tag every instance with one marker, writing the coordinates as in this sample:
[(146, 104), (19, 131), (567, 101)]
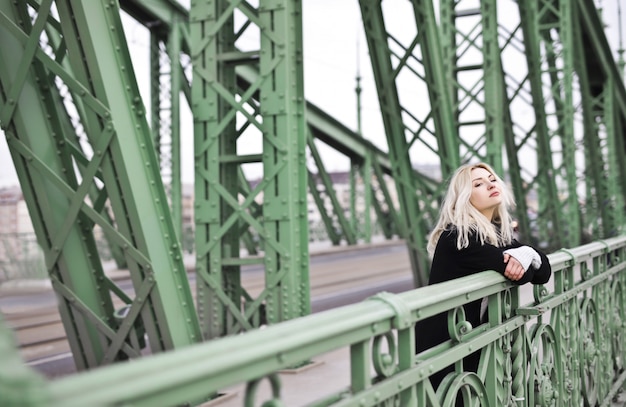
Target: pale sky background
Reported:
[(334, 45)]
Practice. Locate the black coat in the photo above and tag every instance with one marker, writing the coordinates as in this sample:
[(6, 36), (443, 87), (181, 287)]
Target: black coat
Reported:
[(450, 263)]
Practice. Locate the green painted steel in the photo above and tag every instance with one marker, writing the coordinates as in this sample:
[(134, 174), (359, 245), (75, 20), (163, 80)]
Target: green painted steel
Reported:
[(354, 173), (495, 96), (616, 170), (223, 305), (219, 290), (69, 248), (324, 127), (430, 55), (597, 218), (560, 57), (367, 199), (320, 124), (323, 183), (73, 128), (537, 94), (600, 86), (330, 227), (327, 129), (174, 53), (166, 76), (386, 213), (56, 190), (333, 134), (382, 59), (472, 58), (549, 222), (557, 345), (131, 176)]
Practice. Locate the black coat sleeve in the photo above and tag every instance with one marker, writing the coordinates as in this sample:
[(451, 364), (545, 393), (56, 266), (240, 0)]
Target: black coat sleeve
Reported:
[(450, 263)]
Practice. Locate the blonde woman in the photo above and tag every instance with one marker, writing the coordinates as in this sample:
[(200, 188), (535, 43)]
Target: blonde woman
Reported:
[(475, 233)]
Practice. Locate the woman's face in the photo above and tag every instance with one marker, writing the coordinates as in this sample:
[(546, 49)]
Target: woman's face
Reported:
[(486, 192)]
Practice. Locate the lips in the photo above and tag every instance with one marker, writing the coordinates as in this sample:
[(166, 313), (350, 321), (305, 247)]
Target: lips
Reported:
[(496, 193)]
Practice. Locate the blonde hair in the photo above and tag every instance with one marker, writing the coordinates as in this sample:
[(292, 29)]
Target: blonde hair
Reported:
[(457, 211)]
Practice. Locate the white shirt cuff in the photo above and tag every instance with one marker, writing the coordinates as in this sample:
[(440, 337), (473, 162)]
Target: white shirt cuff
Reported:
[(526, 255)]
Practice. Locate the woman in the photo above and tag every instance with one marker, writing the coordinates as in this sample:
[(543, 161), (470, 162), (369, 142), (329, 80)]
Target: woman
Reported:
[(475, 233)]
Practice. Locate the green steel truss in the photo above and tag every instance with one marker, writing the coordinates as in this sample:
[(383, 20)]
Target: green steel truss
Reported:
[(227, 291), (407, 129), (537, 94), (223, 304), (529, 87), (59, 177)]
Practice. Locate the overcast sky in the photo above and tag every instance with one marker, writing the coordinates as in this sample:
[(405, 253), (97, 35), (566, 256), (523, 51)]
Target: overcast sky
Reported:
[(334, 48)]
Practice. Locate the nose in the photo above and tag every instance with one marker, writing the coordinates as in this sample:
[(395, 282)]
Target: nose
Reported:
[(491, 185)]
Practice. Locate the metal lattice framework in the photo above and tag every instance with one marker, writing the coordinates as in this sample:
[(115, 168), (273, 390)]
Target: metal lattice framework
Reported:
[(537, 94), (57, 177)]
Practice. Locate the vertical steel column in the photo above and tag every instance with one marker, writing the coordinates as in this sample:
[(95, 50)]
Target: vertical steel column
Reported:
[(616, 165), (380, 55), (219, 289), (284, 143), (362, 192), (367, 197), (354, 172), (597, 215), (563, 91), (472, 54), (155, 91), (176, 75), (496, 103), (218, 104)]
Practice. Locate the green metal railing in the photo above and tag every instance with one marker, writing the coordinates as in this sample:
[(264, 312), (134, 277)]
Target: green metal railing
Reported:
[(560, 347)]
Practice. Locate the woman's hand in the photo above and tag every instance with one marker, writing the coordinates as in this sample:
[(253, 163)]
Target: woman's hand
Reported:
[(514, 269)]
